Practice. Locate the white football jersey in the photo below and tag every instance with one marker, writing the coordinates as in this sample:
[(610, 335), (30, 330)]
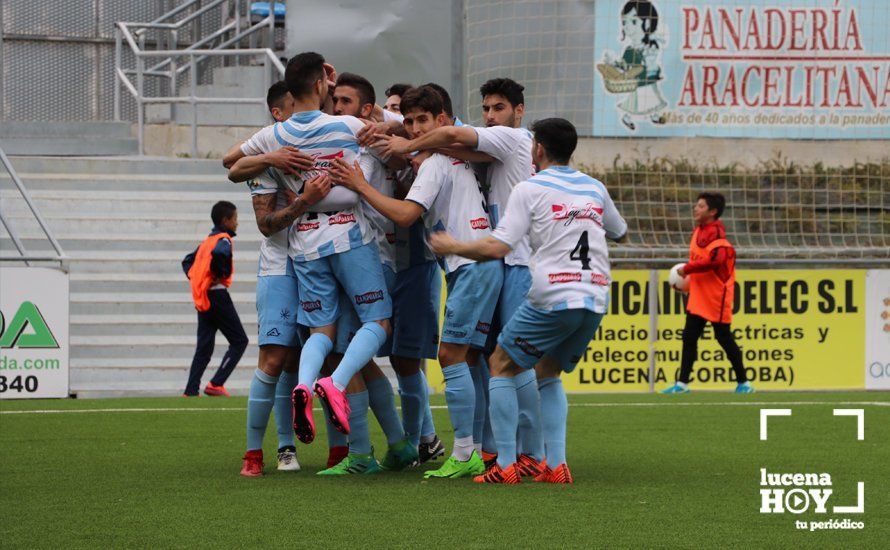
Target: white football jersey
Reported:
[(325, 137), (449, 192), (383, 180), (512, 150), (273, 250), (411, 248), (567, 216)]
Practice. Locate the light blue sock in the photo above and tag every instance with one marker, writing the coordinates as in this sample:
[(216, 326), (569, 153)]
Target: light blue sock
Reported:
[(383, 402), (359, 435), (554, 411), (530, 433), (284, 409), (428, 428), (362, 348), (460, 395), (260, 399), (413, 396), (488, 442), (481, 405), (316, 348), (336, 438), (504, 418)]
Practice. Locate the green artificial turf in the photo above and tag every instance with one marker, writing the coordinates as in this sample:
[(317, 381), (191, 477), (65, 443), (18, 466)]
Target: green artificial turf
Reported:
[(650, 471)]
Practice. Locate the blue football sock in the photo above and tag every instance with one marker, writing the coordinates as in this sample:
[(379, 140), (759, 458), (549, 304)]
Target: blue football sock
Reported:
[(460, 395), (428, 428), (504, 418), (316, 348), (335, 437), (413, 396), (359, 434), (361, 350), (259, 405), (488, 442), (284, 409), (554, 411), (383, 402), (530, 433), (481, 405)]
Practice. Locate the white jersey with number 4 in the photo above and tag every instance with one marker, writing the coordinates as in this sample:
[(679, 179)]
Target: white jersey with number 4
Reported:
[(326, 138), (567, 216), (449, 192)]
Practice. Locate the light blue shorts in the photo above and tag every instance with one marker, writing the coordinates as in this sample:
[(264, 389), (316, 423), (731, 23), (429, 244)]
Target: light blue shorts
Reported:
[(277, 300), (356, 273), (561, 335), (517, 282), (349, 323), (472, 296)]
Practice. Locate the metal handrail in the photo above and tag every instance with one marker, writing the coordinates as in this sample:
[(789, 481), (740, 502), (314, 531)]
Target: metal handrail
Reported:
[(23, 254), (132, 33)]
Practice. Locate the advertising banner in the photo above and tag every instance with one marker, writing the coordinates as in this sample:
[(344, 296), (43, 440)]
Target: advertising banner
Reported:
[(761, 68), (877, 329), (33, 332)]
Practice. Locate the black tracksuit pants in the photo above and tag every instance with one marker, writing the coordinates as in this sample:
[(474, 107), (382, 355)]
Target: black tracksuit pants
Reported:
[(223, 317), (693, 330)]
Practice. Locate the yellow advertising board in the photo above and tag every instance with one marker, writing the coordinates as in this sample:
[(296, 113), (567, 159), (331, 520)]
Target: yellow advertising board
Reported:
[(797, 329)]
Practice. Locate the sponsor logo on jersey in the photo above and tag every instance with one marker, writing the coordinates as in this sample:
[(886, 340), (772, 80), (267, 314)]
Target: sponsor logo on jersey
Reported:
[(369, 297), (307, 226), (567, 213), (325, 162), (479, 223), (310, 305), (484, 328), (565, 277), (527, 347), (599, 279), (340, 219)]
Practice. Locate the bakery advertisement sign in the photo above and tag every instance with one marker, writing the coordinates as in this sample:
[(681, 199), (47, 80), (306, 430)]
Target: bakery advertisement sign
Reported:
[(799, 69)]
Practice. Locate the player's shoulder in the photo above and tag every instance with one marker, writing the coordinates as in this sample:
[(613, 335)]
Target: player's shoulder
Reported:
[(354, 124)]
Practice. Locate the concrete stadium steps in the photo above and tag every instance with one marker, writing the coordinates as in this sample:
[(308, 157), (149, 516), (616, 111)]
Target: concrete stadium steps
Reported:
[(67, 138), (126, 223)]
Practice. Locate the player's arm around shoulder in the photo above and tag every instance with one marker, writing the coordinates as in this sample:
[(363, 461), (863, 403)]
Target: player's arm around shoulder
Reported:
[(351, 176)]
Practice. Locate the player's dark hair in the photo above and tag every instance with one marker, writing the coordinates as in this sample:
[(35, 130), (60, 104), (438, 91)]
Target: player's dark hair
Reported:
[(303, 71), (558, 137), (506, 87), (275, 94), (361, 84), (424, 98), (646, 11), (222, 210), (716, 201), (446, 99), (398, 89)]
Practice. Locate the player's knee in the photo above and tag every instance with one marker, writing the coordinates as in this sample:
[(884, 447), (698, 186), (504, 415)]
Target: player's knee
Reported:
[(405, 366), (451, 355), (386, 325), (273, 360), (500, 363)]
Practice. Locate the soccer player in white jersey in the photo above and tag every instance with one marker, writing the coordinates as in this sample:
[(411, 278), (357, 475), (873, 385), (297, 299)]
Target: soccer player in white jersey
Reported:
[(568, 216), (446, 194), (330, 251), (354, 96), (508, 147)]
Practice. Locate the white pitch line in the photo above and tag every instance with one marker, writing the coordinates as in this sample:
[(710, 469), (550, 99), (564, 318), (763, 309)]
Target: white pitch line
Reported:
[(629, 404)]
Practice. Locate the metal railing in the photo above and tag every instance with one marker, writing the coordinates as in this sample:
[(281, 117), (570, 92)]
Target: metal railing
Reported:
[(235, 27), (24, 256)]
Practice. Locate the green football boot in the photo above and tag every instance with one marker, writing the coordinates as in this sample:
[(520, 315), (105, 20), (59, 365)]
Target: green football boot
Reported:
[(454, 468)]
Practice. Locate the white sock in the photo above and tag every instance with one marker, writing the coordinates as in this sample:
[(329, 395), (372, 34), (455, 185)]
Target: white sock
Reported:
[(682, 385), (478, 447), (463, 448)]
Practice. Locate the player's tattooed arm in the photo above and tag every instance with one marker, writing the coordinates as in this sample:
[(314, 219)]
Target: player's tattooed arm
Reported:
[(271, 221), (289, 160), (480, 250), (403, 213)]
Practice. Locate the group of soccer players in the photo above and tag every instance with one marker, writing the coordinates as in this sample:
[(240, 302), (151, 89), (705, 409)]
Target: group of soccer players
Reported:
[(362, 209)]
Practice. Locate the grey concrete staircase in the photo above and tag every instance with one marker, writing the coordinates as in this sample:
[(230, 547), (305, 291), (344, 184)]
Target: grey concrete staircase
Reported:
[(126, 223), (67, 138)]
